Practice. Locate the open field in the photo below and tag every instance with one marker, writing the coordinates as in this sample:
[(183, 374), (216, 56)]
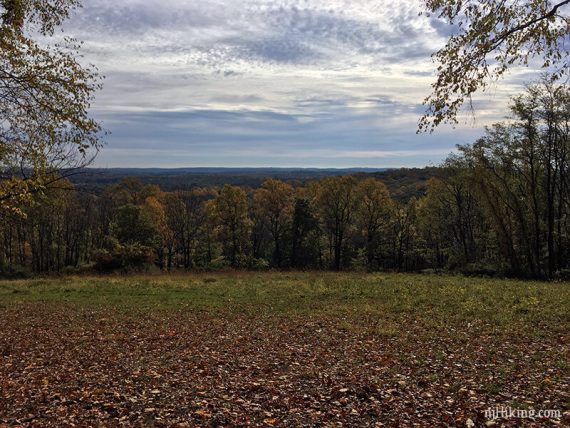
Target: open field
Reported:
[(282, 349)]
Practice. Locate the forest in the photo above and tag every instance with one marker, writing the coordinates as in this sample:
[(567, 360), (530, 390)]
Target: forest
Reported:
[(500, 206)]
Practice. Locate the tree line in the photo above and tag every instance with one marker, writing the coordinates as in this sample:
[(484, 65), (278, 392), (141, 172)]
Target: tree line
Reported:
[(498, 206)]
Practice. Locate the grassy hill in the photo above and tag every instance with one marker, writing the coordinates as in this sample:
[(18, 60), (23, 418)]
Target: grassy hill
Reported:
[(281, 349)]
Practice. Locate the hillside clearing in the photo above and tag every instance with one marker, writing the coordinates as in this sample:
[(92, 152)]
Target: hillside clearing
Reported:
[(281, 349)]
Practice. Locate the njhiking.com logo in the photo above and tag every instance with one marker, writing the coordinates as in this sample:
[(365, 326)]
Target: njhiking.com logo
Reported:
[(494, 413)]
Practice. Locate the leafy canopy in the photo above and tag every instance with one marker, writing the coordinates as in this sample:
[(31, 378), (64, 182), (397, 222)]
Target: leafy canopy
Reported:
[(492, 36), (45, 95)]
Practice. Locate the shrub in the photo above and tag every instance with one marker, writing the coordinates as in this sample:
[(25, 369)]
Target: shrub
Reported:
[(14, 272), (250, 262), (131, 257)]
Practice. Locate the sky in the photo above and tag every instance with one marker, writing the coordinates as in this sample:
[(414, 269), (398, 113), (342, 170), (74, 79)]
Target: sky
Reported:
[(270, 83)]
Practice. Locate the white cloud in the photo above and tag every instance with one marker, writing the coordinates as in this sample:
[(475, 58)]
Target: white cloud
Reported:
[(356, 67)]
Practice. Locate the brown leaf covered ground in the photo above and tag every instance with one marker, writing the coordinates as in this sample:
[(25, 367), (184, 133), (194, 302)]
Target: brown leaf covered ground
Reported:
[(282, 350)]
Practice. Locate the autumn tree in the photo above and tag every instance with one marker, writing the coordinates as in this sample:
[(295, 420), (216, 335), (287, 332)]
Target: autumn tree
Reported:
[(130, 190), (187, 217), (337, 202), (490, 37), (133, 240), (46, 231), (450, 216), (521, 170), (375, 207), (305, 234), (404, 235), (45, 94), (155, 208), (13, 241), (133, 225), (274, 200), (234, 224), (260, 237), (434, 227)]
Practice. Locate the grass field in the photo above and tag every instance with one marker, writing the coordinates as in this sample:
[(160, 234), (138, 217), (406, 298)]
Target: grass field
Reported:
[(282, 349)]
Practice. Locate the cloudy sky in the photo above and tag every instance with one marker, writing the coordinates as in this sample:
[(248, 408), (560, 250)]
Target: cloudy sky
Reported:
[(309, 83)]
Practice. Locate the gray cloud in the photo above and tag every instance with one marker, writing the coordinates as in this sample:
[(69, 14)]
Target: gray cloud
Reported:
[(226, 82), (215, 33), (255, 138)]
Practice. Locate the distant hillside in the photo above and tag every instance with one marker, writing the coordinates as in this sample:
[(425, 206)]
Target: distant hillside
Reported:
[(403, 183), (185, 178)]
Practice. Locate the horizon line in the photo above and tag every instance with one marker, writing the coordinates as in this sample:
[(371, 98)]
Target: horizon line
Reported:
[(259, 167)]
